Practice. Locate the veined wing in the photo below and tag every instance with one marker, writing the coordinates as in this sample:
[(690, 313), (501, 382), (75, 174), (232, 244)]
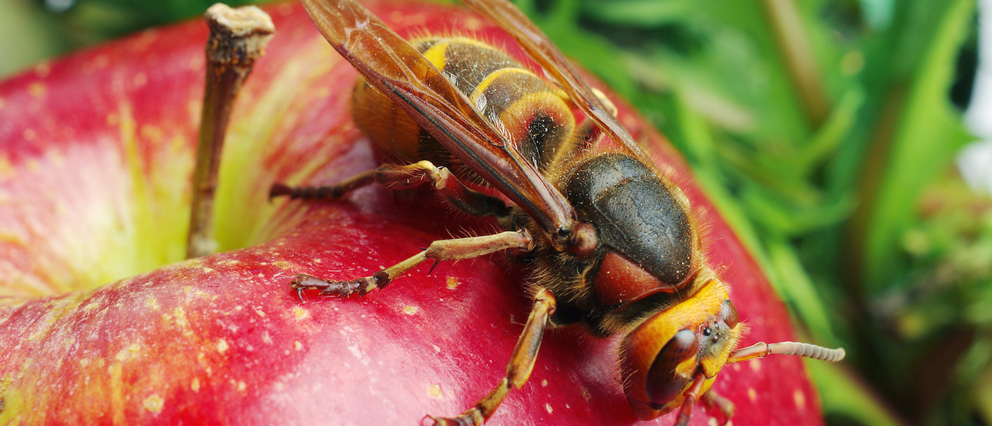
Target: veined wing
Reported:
[(547, 55), (398, 70)]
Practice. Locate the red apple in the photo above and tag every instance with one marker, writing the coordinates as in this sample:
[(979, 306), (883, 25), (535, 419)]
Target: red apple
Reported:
[(97, 152)]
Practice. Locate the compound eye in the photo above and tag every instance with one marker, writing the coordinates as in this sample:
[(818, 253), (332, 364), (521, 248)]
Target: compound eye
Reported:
[(730, 314), (664, 382)]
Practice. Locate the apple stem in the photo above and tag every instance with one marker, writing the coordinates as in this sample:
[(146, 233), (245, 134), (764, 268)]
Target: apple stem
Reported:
[(237, 38)]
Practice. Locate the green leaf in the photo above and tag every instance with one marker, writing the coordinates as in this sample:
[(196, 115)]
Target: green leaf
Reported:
[(928, 132)]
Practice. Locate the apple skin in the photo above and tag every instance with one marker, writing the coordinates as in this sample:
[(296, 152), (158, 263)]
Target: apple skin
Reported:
[(94, 170)]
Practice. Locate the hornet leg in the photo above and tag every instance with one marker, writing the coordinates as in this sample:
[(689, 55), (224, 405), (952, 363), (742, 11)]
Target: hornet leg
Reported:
[(519, 368)]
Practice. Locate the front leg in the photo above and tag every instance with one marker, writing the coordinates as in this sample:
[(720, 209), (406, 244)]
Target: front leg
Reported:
[(690, 396), (519, 368), (454, 249), (713, 400)]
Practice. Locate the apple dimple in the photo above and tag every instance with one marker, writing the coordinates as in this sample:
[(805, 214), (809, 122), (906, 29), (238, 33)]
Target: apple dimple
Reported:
[(95, 155)]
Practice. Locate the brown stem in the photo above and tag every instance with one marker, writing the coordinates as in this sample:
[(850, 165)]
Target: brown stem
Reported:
[(237, 38)]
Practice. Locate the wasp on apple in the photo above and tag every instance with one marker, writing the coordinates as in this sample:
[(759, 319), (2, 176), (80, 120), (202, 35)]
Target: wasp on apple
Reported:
[(613, 242)]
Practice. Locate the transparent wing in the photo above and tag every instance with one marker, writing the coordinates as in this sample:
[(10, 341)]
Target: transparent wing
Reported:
[(398, 70), (547, 55)]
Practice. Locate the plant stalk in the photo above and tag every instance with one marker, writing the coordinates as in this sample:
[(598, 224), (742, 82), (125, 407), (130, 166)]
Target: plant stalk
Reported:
[(795, 47), (237, 38)]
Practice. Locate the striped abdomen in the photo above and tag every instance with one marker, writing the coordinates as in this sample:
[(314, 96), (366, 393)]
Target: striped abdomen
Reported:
[(534, 114)]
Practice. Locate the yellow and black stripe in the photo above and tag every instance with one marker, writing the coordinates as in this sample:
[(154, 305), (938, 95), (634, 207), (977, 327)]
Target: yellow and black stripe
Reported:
[(532, 114)]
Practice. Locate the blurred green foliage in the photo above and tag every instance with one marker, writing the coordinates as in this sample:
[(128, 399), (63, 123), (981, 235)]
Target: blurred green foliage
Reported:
[(38, 30), (824, 131)]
